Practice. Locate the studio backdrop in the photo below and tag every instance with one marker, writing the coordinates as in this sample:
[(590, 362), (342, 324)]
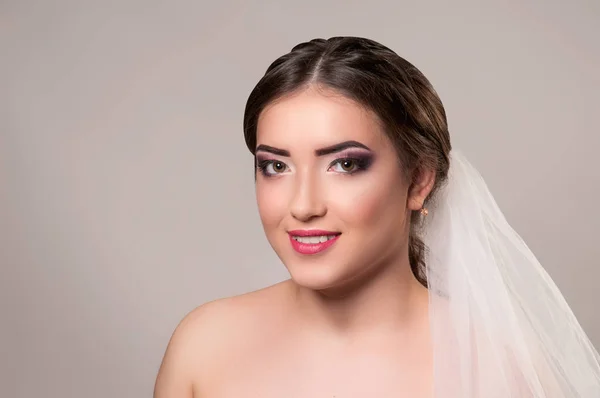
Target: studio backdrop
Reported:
[(127, 192)]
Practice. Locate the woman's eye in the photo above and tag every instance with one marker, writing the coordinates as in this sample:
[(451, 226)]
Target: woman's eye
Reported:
[(272, 167), (277, 167), (345, 166)]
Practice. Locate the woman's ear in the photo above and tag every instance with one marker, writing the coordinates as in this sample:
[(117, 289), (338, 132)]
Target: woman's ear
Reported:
[(420, 188)]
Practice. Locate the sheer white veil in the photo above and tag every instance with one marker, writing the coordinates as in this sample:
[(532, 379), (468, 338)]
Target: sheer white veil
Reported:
[(500, 326)]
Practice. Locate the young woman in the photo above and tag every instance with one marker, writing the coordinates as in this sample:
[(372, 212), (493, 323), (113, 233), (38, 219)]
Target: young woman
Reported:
[(406, 280)]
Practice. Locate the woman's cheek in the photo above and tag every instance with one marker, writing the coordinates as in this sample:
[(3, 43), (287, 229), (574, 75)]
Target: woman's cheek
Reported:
[(355, 202), (271, 198)]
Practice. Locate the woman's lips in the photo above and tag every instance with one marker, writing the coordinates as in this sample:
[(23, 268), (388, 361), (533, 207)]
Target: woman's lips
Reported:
[(312, 241)]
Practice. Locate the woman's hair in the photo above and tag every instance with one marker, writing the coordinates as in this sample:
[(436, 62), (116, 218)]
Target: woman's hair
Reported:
[(380, 80)]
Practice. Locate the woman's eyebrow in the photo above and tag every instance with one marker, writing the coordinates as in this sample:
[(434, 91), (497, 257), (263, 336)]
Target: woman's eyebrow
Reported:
[(340, 147), (273, 150), (318, 152)]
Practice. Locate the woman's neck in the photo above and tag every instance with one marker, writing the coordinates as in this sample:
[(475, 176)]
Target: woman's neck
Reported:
[(391, 299)]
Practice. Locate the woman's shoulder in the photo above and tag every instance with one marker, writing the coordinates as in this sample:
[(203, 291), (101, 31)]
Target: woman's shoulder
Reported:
[(210, 336), (230, 313), (223, 318)]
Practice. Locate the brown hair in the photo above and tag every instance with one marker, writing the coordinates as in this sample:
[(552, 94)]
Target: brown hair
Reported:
[(376, 77)]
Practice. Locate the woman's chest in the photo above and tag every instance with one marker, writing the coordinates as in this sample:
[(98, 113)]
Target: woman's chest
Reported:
[(309, 376)]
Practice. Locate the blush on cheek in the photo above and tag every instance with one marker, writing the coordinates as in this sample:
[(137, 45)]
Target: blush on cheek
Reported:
[(272, 205), (357, 203), (370, 204)]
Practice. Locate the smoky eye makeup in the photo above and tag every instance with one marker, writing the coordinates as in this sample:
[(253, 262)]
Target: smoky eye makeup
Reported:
[(269, 166), (351, 162), (263, 159), (348, 161)]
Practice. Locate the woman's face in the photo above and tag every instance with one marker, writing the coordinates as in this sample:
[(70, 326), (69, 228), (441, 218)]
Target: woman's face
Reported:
[(334, 203)]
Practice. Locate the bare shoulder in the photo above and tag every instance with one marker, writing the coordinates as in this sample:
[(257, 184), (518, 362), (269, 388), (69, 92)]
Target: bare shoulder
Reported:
[(220, 320), (209, 337)]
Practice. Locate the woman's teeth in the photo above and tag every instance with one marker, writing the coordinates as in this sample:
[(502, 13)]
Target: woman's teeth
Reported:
[(313, 239)]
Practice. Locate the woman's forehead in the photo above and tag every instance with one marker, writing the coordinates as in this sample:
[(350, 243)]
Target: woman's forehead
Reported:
[(317, 118)]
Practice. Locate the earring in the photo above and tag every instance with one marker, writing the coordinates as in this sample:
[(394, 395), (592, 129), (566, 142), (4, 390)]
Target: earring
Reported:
[(424, 211)]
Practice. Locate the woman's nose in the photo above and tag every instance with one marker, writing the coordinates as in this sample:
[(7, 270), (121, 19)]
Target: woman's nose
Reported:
[(307, 202)]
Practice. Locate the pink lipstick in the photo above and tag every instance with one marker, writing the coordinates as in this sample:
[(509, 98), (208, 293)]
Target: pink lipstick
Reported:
[(312, 241)]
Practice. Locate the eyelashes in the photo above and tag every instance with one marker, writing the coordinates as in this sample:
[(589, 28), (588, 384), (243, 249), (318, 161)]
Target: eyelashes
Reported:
[(271, 167), (350, 164)]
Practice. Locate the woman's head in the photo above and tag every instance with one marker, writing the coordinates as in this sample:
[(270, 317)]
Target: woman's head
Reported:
[(351, 139)]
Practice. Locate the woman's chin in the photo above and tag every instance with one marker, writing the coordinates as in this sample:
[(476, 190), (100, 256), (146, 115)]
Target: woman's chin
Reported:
[(314, 278), (326, 280)]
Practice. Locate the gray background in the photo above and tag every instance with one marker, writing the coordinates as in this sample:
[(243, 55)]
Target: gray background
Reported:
[(127, 192)]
